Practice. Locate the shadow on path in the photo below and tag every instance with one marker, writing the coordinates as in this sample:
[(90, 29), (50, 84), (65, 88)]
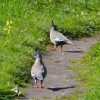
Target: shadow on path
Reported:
[(60, 88), (75, 51)]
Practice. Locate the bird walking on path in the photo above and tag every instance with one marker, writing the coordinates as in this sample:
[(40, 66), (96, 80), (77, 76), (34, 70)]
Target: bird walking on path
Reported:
[(38, 71), (57, 38)]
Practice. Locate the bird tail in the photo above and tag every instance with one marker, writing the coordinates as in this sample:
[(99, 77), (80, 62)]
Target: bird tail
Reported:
[(70, 42)]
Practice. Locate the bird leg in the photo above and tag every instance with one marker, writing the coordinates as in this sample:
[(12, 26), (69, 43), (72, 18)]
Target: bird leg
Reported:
[(53, 49), (35, 86), (61, 49), (41, 84)]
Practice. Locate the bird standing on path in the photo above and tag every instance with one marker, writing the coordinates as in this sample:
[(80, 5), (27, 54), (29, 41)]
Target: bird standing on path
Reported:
[(38, 71), (57, 38)]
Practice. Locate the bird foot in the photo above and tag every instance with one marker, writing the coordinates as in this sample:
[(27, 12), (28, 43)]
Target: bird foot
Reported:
[(60, 50), (36, 86), (53, 49), (41, 86)]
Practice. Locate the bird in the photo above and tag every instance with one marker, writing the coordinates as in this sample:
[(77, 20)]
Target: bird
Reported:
[(38, 70), (57, 38)]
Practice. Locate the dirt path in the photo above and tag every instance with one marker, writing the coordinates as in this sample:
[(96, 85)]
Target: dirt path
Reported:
[(58, 81)]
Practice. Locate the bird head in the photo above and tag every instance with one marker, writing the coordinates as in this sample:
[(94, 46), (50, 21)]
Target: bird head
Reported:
[(37, 54), (53, 26)]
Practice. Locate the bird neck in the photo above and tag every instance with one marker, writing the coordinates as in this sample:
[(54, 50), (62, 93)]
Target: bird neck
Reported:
[(52, 29), (38, 60)]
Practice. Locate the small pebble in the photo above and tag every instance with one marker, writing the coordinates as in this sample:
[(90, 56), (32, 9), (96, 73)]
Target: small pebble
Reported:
[(63, 54)]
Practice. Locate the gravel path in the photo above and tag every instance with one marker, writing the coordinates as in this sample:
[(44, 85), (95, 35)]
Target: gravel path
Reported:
[(58, 81)]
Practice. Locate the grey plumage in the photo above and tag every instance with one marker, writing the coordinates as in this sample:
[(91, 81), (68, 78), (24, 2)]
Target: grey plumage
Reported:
[(38, 71), (57, 38)]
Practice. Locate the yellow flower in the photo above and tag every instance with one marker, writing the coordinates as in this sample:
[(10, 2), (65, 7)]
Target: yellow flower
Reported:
[(8, 28), (8, 23), (8, 31)]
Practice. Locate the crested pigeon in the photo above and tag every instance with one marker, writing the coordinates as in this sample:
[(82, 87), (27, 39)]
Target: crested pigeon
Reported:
[(57, 38), (38, 71)]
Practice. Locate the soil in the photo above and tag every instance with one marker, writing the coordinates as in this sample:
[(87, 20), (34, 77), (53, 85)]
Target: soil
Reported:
[(58, 81)]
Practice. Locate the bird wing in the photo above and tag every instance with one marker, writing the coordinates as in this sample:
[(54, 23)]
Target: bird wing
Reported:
[(38, 72), (58, 37)]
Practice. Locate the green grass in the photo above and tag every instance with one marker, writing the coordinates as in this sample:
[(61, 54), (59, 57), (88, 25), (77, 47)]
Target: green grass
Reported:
[(89, 75), (25, 24)]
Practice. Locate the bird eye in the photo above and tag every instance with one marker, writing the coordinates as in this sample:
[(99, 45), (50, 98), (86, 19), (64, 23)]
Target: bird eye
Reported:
[(35, 54)]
